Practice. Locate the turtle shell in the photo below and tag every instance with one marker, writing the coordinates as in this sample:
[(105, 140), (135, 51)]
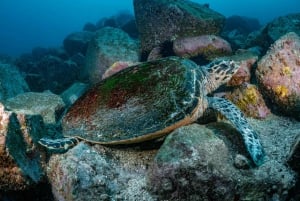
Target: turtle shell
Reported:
[(140, 103)]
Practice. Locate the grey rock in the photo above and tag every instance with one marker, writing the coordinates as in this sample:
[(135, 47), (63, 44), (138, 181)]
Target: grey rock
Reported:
[(275, 29), (196, 163), (70, 95), (12, 82), (99, 173), (48, 105), (78, 42), (238, 29), (20, 160), (241, 162), (89, 27), (107, 47), (161, 21), (283, 25), (49, 73), (243, 25), (6, 59), (294, 156)]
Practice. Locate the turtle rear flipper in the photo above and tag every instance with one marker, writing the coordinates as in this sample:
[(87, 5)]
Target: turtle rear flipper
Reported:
[(234, 115), (60, 144)]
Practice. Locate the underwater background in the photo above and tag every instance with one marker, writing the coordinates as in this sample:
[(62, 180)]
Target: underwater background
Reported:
[(32, 23), (133, 70)]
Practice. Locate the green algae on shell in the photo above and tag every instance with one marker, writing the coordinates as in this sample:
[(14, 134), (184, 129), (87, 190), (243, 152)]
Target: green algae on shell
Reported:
[(150, 100), (141, 102)]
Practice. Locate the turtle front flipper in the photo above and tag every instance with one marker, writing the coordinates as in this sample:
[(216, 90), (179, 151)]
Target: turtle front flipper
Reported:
[(59, 145), (236, 117)]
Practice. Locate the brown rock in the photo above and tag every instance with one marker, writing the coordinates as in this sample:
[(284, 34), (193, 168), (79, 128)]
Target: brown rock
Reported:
[(20, 159), (278, 74), (246, 61), (207, 46), (116, 67), (249, 100)]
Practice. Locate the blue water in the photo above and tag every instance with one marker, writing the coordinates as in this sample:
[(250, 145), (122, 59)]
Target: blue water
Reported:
[(25, 24)]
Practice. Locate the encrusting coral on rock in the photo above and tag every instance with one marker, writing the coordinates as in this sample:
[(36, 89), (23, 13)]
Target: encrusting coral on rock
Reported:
[(278, 74)]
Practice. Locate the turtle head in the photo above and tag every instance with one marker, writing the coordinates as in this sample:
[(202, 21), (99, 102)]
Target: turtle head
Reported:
[(220, 72)]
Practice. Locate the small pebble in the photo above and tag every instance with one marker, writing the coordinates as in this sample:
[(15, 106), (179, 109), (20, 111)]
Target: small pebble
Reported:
[(241, 162)]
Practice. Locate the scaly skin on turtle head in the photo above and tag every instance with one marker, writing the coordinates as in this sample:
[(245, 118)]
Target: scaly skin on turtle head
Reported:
[(219, 72)]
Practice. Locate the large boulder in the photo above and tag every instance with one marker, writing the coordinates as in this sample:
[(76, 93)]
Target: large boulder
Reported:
[(49, 72), (198, 163), (241, 24), (161, 21), (248, 98), (70, 95), (78, 42), (275, 29), (20, 159), (278, 74), (195, 162), (208, 47), (12, 82), (283, 25), (48, 105), (100, 173), (239, 29), (108, 46), (247, 60)]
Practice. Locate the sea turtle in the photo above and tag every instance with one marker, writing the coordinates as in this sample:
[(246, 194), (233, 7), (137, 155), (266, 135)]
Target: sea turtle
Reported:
[(149, 100)]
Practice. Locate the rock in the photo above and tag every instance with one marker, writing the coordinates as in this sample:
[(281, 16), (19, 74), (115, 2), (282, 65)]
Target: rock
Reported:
[(206, 46), (160, 21), (100, 173), (238, 28), (48, 105), (59, 52), (49, 73), (249, 100), (131, 29), (241, 162), (39, 52), (20, 160), (6, 59), (294, 156), (195, 164), (278, 74), (246, 60), (243, 25), (276, 29), (89, 27), (283, 25), (155, 53), (12, 82), (108, 46), (70, 95), (79, 59), (122, 18), (116, 67), (78, 42)]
